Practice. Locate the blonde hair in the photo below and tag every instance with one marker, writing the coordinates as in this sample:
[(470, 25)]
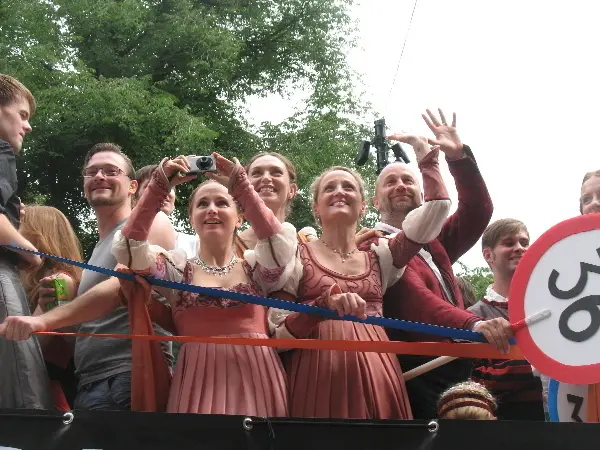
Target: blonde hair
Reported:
[(316, 185), (586, 177), (467, 401), (50, 232), (12, 90), (500, 228)]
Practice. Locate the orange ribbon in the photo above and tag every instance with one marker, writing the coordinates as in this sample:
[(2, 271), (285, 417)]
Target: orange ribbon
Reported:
[(467, 350)]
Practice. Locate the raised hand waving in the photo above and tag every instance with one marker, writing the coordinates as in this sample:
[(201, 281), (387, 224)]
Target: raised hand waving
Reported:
[(446, 135)]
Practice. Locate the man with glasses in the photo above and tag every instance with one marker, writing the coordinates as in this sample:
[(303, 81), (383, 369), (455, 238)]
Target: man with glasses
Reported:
[(104, 364)]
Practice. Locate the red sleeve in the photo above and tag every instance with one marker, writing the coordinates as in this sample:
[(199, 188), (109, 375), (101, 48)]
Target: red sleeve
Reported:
[(140, 221), (263, 220), (402, 248), (464, 228), (410, 299)]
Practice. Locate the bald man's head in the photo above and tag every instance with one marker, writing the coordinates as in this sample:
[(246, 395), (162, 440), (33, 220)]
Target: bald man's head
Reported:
[(397, 189)]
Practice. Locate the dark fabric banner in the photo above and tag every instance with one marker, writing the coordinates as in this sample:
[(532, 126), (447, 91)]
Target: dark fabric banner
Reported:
[(106, 430)]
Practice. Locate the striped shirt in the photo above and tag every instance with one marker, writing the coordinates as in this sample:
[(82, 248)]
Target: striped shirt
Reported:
[(510, 381)]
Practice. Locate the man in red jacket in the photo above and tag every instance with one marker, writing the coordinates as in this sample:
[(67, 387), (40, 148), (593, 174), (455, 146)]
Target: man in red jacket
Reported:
[(428, 291)]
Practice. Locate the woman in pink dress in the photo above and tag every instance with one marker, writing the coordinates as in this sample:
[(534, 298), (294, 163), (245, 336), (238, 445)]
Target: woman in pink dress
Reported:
[(211, 378), (334, 274)]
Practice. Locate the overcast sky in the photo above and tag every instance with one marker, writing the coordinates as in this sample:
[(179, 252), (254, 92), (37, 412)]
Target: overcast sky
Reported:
[(522, 77)]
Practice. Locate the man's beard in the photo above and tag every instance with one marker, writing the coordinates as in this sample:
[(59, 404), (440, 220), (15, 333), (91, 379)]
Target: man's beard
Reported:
[(110, 201), (402, 207)]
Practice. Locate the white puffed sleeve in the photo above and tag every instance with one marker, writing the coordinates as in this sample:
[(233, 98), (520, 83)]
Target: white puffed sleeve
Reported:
[(149, 259), (420, 226), (425, 223), (390, 274), (274, 261)]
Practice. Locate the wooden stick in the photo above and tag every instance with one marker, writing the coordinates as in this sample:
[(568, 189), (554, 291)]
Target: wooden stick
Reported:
[(437, 362)]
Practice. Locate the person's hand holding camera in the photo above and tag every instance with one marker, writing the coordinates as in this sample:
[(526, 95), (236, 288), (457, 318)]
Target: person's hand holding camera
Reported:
[(176, 169), (224, 168)]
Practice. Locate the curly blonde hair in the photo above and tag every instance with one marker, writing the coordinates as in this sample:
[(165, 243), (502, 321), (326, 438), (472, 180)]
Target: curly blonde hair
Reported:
[(467, 401)]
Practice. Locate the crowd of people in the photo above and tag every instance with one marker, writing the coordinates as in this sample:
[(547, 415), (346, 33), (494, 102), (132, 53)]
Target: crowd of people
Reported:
[(402, 268)]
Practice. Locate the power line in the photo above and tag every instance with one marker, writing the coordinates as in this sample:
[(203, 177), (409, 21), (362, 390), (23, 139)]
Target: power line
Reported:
[(402, 52)]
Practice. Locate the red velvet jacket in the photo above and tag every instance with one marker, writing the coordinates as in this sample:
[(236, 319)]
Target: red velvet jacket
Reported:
[(418, 295)]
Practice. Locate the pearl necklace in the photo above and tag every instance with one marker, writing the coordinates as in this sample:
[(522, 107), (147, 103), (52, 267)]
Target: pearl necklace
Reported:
[(343, 255), (219, 271)]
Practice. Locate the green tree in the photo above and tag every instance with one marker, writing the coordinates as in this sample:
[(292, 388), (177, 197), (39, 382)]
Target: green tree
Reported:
[(479, 277), (168, 77), (316, 139)]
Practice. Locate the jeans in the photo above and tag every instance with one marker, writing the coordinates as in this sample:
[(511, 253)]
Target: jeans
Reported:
[(112, 393)]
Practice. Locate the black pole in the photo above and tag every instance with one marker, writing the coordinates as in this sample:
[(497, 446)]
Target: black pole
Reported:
[(380, 143)]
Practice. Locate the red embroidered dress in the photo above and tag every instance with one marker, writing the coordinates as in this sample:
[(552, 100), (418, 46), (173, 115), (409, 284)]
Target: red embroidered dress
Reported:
[(352, 384), (218, 378)]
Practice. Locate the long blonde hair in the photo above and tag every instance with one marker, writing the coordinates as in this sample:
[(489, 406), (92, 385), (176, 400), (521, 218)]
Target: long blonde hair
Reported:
[(50, 232)]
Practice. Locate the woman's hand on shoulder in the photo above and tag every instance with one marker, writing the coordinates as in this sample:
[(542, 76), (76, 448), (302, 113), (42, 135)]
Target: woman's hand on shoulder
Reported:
[(365, 234)]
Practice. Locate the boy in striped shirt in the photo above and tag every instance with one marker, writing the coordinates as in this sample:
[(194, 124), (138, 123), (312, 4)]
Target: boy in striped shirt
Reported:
[(518, 391)]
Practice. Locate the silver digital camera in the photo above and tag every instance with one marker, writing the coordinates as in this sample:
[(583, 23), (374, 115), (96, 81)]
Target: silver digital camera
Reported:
[(201, 164)]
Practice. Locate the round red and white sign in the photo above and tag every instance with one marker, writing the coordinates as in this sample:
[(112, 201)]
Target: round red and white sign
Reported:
[(560, 272)]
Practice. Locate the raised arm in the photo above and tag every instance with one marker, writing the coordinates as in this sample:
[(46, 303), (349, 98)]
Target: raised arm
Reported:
[(464, 228), (273, 260), (263, 221), (131, 246), (163, 178), (420, 226)]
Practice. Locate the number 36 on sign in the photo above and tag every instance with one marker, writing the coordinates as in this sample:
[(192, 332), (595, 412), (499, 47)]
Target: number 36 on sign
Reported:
[(560, 272)]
